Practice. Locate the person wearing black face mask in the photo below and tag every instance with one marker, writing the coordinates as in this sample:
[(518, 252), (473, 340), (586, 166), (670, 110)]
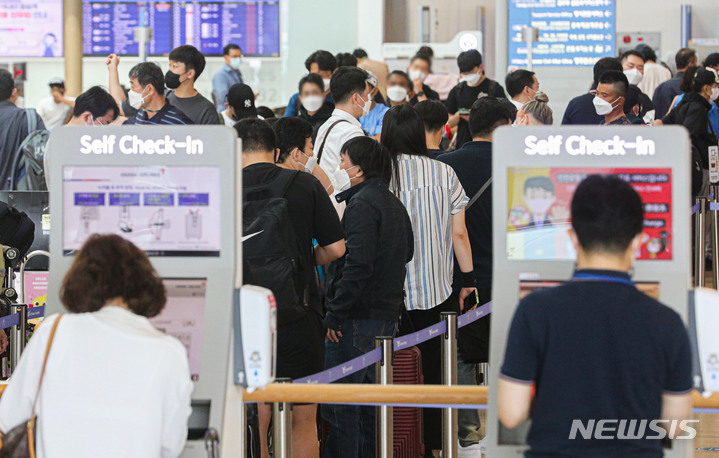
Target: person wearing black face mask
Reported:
[(186, 65), (240, 103)]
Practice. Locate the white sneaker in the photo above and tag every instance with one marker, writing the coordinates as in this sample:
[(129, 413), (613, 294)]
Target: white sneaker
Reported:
[(470, 451)]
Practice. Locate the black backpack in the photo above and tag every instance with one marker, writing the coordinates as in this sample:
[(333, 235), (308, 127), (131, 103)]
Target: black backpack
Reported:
[(17, 230), (269, 249)]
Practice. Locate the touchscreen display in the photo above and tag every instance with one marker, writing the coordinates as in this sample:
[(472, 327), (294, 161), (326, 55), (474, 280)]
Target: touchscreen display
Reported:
[(165, 211), (539, 201), (183, 317)]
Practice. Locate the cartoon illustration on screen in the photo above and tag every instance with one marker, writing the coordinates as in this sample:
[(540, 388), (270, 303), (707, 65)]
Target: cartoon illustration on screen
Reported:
[(87, 216), (539, 199)]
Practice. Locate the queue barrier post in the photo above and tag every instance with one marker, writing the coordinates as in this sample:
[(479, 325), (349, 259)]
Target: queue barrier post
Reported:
[(282, 426), (699, 235), (17, 335), (715, 236), (384, 413), (484, 372), (450, 423)]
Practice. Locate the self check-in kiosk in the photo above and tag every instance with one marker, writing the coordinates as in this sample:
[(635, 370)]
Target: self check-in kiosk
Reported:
[(173, 192), (532, 249)]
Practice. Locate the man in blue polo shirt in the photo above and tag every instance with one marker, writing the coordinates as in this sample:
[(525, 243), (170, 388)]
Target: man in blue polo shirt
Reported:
[(597, 348), (227, 76), (147, 95)]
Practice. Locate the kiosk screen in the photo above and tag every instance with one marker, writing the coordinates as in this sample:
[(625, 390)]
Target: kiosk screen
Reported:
[(183, 316), (539, 210), (166, 211), (527, 287)]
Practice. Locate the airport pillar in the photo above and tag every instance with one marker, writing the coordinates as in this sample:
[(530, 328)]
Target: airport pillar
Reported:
[(73, 46)]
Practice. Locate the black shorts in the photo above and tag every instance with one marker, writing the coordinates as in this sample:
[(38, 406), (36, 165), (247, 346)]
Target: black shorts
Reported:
[(301, 347)]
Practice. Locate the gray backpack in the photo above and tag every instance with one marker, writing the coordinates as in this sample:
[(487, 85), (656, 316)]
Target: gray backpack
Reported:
[(28, 172)]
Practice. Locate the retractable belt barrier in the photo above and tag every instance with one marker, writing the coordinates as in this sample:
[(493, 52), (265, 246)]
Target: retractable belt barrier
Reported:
[(14, 319), (410, 340)]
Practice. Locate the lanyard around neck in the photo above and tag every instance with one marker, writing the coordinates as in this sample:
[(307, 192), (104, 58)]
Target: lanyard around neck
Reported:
[(601, 278)]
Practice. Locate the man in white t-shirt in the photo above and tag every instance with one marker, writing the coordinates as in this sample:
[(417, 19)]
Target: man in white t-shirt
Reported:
[(54, 109), (353, 99)]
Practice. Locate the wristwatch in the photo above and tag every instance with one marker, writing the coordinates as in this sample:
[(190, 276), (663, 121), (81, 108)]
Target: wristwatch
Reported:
[(420, 94)]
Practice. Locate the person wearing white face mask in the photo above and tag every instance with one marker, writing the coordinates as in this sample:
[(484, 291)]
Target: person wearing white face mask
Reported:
[(633, 66), (353, 100), (522, 86), (294, 149), (228, 75), (377, 68), (313, 105), (609, 98), (372, 123), (322, 63), (473, 84), (419, 69), (147, 96), (399, 89)]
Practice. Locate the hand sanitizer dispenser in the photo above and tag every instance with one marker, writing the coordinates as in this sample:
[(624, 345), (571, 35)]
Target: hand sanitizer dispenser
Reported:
[(255, 337)]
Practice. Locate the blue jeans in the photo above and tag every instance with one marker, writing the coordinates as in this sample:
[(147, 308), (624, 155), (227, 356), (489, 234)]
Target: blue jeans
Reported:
[(467, 419), (352, 428)]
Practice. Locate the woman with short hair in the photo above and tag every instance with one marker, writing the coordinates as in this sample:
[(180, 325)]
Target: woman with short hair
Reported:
[(114, 386)]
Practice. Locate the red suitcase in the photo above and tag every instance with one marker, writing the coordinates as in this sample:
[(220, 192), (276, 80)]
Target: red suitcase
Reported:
[(408, 421)]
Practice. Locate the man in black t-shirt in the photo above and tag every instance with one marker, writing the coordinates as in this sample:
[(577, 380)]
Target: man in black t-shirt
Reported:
[(597, 348), (473, 85), (473, 164), (300, 344)]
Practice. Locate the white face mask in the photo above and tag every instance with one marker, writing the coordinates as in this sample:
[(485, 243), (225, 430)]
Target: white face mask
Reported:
[(416, 74), (471, 79), (229, 122), (309, 166), (634, 76), (235, 62), (602, 106), (93, 122), (367, 107), (327, 84), (397, 93), (342, 180), (715, 95), (313, 102), (136, 100)]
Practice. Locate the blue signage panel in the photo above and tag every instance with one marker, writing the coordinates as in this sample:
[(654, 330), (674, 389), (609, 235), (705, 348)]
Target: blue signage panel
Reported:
[(571, 32), (108, 26)]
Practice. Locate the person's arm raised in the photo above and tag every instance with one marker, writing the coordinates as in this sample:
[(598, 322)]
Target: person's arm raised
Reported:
[(113, 62)]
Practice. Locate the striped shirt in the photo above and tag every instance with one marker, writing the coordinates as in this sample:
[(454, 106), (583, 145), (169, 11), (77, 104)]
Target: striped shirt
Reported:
[(432, 193), (168, 115)]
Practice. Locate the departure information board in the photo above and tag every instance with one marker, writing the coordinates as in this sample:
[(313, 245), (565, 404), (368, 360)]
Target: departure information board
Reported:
[(108, 26), (571, 32)]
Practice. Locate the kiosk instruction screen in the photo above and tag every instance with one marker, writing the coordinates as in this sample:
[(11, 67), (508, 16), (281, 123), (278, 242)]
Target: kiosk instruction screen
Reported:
[(166, 211), (539, 210), (183, 317)]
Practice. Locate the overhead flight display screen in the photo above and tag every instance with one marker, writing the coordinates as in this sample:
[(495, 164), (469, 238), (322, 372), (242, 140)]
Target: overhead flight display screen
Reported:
[(165, 211), (571, 32), (108, 26)]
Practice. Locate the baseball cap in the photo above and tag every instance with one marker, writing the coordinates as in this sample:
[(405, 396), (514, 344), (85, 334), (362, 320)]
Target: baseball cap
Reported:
[(372, 79), (56, 82), (241, 98)]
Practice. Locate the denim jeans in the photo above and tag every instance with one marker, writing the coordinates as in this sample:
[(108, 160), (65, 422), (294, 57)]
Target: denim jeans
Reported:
[(467, 419), (352, 428)]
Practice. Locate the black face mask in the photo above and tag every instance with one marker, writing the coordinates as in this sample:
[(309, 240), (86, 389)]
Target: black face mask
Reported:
[(172, 80)]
